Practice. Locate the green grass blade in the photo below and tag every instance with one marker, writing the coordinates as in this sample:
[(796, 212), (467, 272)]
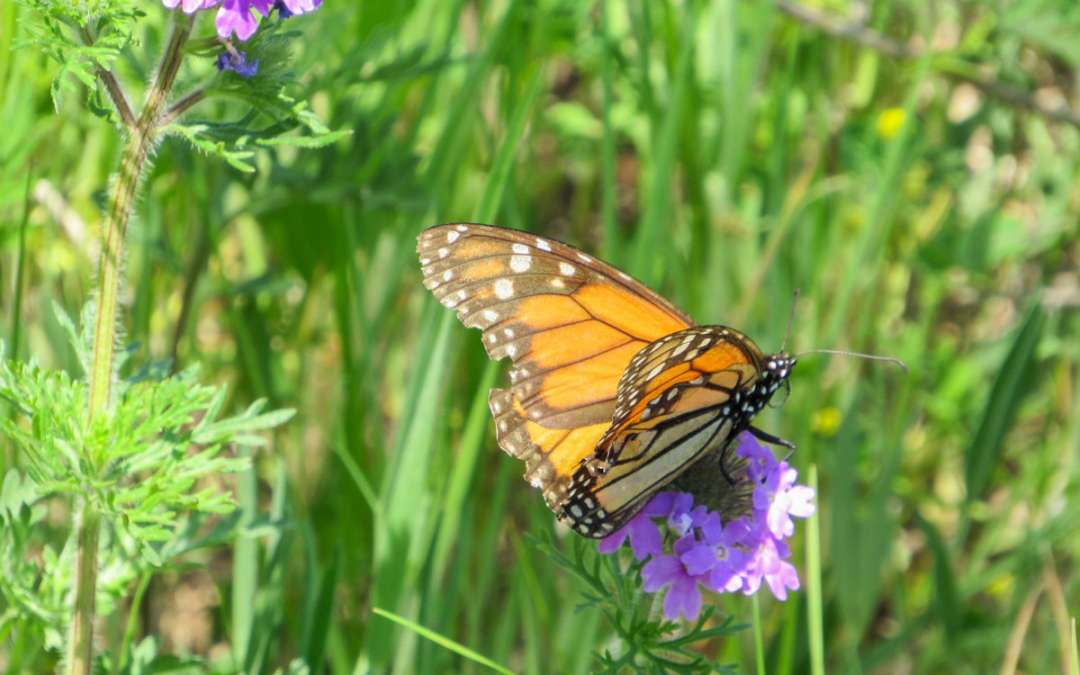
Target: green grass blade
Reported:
[(515, 130), (466, 459), (319, 616), (1074, 657), (442, 641), (245, 573), (759, 639), (1011, 387), (815, 620), (648, 262)]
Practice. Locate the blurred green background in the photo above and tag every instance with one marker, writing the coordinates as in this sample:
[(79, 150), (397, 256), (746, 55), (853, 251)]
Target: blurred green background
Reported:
[(912, 167)]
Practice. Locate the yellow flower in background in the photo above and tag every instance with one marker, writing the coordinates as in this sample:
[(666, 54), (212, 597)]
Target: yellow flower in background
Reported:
[(1002, 586), (826, 422), (890, 122)]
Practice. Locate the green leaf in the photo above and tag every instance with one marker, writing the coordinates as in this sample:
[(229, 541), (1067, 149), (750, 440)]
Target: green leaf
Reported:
[(1011, 386)]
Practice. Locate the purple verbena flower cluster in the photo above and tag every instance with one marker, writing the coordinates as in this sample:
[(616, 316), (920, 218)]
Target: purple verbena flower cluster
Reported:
[(724, 557), (235, 16)]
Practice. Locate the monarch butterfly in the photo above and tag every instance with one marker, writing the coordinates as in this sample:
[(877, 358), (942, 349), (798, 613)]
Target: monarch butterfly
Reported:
[(614, 392)]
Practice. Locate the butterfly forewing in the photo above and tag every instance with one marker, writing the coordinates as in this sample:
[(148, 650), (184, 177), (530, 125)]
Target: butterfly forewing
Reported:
[(570, 324)]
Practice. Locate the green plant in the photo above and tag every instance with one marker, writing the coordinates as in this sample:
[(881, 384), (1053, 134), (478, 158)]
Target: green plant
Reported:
[(136, 458)]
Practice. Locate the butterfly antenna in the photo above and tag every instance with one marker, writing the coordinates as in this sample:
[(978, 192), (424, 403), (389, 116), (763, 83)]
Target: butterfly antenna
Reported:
[(858, 355), (790, 320)]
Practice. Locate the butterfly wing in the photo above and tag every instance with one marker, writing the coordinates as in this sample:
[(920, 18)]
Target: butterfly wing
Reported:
[(569, 323), (680, 397)]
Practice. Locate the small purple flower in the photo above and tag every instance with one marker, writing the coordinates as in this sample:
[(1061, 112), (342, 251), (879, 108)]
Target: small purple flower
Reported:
[(724, 557), (769, 564), (236, 17), (780, 499), (669, 571), (238, 63)]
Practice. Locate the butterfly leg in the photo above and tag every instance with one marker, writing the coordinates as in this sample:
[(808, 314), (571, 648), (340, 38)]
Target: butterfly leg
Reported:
[(766, 437), (728, 442)]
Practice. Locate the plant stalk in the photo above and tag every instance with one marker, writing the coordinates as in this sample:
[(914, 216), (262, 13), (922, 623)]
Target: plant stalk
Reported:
[(140, 144), (81, 654)]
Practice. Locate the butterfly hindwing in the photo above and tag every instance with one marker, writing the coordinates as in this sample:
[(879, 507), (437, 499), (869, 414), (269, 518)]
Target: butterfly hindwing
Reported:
[(682, 396)]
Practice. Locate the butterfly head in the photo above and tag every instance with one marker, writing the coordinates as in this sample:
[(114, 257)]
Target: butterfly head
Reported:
[(775, 374), (778, 367)]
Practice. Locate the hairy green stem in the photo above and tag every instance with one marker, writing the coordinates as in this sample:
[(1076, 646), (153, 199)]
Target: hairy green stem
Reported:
[(81, 655), (139, 146)]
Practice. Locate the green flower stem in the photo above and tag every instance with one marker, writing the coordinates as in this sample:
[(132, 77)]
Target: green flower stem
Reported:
[(140, 144), (81, 654), (182, 106), (759, 640)]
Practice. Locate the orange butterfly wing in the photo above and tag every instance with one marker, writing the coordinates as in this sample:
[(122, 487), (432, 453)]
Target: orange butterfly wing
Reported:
[(685, 394), (570, 324)]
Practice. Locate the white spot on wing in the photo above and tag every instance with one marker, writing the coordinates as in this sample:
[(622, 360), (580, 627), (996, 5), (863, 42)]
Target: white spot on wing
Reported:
[(520, 248), (584, 258), (462, 228), (452, 236), (543, 245), (683, 346), (491, 315), (558, 283), (443, 252), (447, 275), (520, 263), (504, 289), (566, 269)]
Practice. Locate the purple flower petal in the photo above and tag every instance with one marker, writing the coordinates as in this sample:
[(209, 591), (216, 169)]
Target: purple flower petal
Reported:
[(659, 572), (683, 598), (712, 529), (645, 537), (614, 541), (234, 16), (699, 559), (644, 534), (298, 6), (783, 578), (802, 501), (660, 504)]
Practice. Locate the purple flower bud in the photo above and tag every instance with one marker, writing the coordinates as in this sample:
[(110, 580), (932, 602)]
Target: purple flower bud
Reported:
[(238, 63)]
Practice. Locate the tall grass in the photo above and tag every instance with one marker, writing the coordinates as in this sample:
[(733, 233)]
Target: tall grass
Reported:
[(720, 150)]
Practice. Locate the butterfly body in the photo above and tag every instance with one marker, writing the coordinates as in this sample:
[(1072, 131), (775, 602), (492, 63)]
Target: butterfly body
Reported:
[(613, 391)]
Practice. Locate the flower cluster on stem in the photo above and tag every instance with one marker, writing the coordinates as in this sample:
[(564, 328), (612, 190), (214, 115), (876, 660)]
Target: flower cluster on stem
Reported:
[(723, 553)]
